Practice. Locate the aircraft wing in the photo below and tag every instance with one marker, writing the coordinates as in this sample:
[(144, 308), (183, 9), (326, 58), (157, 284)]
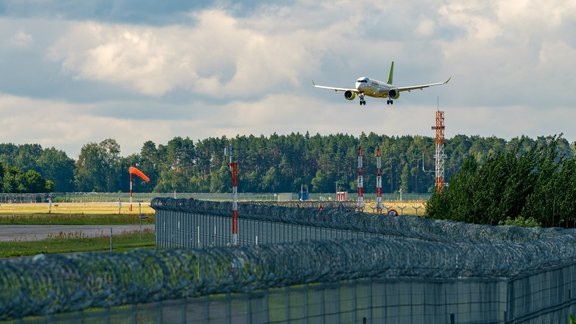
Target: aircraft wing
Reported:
[(422, 86), (334, 88)]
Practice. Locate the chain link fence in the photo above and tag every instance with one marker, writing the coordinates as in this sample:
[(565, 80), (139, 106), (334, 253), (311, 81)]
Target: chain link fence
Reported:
[(489, 282), (197, 223), (403, 269)]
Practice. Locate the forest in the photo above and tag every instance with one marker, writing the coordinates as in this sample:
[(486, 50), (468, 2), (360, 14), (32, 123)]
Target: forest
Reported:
[(531, 184), (275, 163)]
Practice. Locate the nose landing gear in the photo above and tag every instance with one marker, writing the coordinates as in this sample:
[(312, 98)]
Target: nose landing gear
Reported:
[(362, 101)]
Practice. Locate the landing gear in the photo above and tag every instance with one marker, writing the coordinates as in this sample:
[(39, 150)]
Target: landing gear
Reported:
[(389, 102), (362, 101)]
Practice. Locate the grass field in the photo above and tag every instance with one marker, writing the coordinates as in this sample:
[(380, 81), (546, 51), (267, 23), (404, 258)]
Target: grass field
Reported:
[(75, 243), (108, 214), (75, 214), (75, 208)]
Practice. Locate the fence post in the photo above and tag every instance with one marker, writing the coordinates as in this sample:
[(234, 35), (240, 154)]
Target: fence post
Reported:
[(287, 304), (228, 308)]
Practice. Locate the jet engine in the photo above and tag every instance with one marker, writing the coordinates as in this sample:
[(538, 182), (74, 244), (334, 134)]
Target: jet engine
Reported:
[(393, 94), (350, 95)]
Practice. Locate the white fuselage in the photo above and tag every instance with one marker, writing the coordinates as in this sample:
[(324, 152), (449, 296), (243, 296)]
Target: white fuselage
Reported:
[(378, 89), (373, 88)]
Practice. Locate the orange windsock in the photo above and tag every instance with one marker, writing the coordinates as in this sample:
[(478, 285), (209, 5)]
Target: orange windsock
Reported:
[(133, 170)]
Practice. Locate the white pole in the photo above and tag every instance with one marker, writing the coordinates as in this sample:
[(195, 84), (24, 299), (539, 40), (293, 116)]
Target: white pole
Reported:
[(130, 191)]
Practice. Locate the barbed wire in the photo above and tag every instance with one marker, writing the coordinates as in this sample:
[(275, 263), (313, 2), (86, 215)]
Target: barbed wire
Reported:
[(343, 216), (48, 284), (408, 247)]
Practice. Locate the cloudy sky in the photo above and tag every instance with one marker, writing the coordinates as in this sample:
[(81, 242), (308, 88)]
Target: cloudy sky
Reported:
[(74, 72)]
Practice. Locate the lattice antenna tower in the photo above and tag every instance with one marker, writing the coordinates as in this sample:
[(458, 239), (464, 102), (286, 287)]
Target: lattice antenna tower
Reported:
[(234, 171), (360, 181), (439, 156)]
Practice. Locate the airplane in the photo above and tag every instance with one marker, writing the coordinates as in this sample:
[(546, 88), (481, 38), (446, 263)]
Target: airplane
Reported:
[(378, 89)]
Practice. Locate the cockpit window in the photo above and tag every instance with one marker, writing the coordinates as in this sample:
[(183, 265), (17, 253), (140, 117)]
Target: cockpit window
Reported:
[(362, 80)]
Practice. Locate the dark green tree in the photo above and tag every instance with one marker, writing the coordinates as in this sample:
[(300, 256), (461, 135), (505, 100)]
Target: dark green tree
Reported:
[(56, 166), (17, 181), (528, 184), (98, 167)]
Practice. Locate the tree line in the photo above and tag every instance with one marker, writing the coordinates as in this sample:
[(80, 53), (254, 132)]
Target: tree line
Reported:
[(531, 184), (276, 163)]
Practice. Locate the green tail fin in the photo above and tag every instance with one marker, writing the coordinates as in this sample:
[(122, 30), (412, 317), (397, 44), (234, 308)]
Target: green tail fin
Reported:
[(391, 75)]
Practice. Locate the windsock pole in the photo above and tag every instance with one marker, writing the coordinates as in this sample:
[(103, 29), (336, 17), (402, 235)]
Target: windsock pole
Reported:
[(139, 173), (130, 191)]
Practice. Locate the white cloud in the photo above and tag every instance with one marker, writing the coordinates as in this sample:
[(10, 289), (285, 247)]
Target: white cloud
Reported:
[(272, 50), (511, 52), (55, 124), (224, 73), (425, 28), (68, 126), (21, 39), (216, 57)]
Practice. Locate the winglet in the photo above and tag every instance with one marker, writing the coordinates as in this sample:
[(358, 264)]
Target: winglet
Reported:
[(314, 84), (391, 75), (450, 78)]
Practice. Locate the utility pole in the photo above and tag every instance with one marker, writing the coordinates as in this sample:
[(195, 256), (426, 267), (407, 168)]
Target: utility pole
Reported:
[(379, 205), (360, 182)]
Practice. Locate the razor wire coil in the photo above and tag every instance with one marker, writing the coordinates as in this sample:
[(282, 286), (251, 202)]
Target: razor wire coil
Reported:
[(407, 247)]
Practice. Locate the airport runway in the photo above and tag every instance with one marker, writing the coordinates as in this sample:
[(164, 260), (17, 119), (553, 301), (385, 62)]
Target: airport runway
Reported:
[(40, 232)]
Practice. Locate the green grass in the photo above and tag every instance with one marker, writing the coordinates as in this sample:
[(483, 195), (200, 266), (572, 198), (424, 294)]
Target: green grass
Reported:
[(73, 219), (72, 242), (75, 214)]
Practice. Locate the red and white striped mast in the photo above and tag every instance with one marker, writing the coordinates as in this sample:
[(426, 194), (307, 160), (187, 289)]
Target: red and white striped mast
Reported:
[(139, 173), (379, 204), (234, 171), (360, 181)]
